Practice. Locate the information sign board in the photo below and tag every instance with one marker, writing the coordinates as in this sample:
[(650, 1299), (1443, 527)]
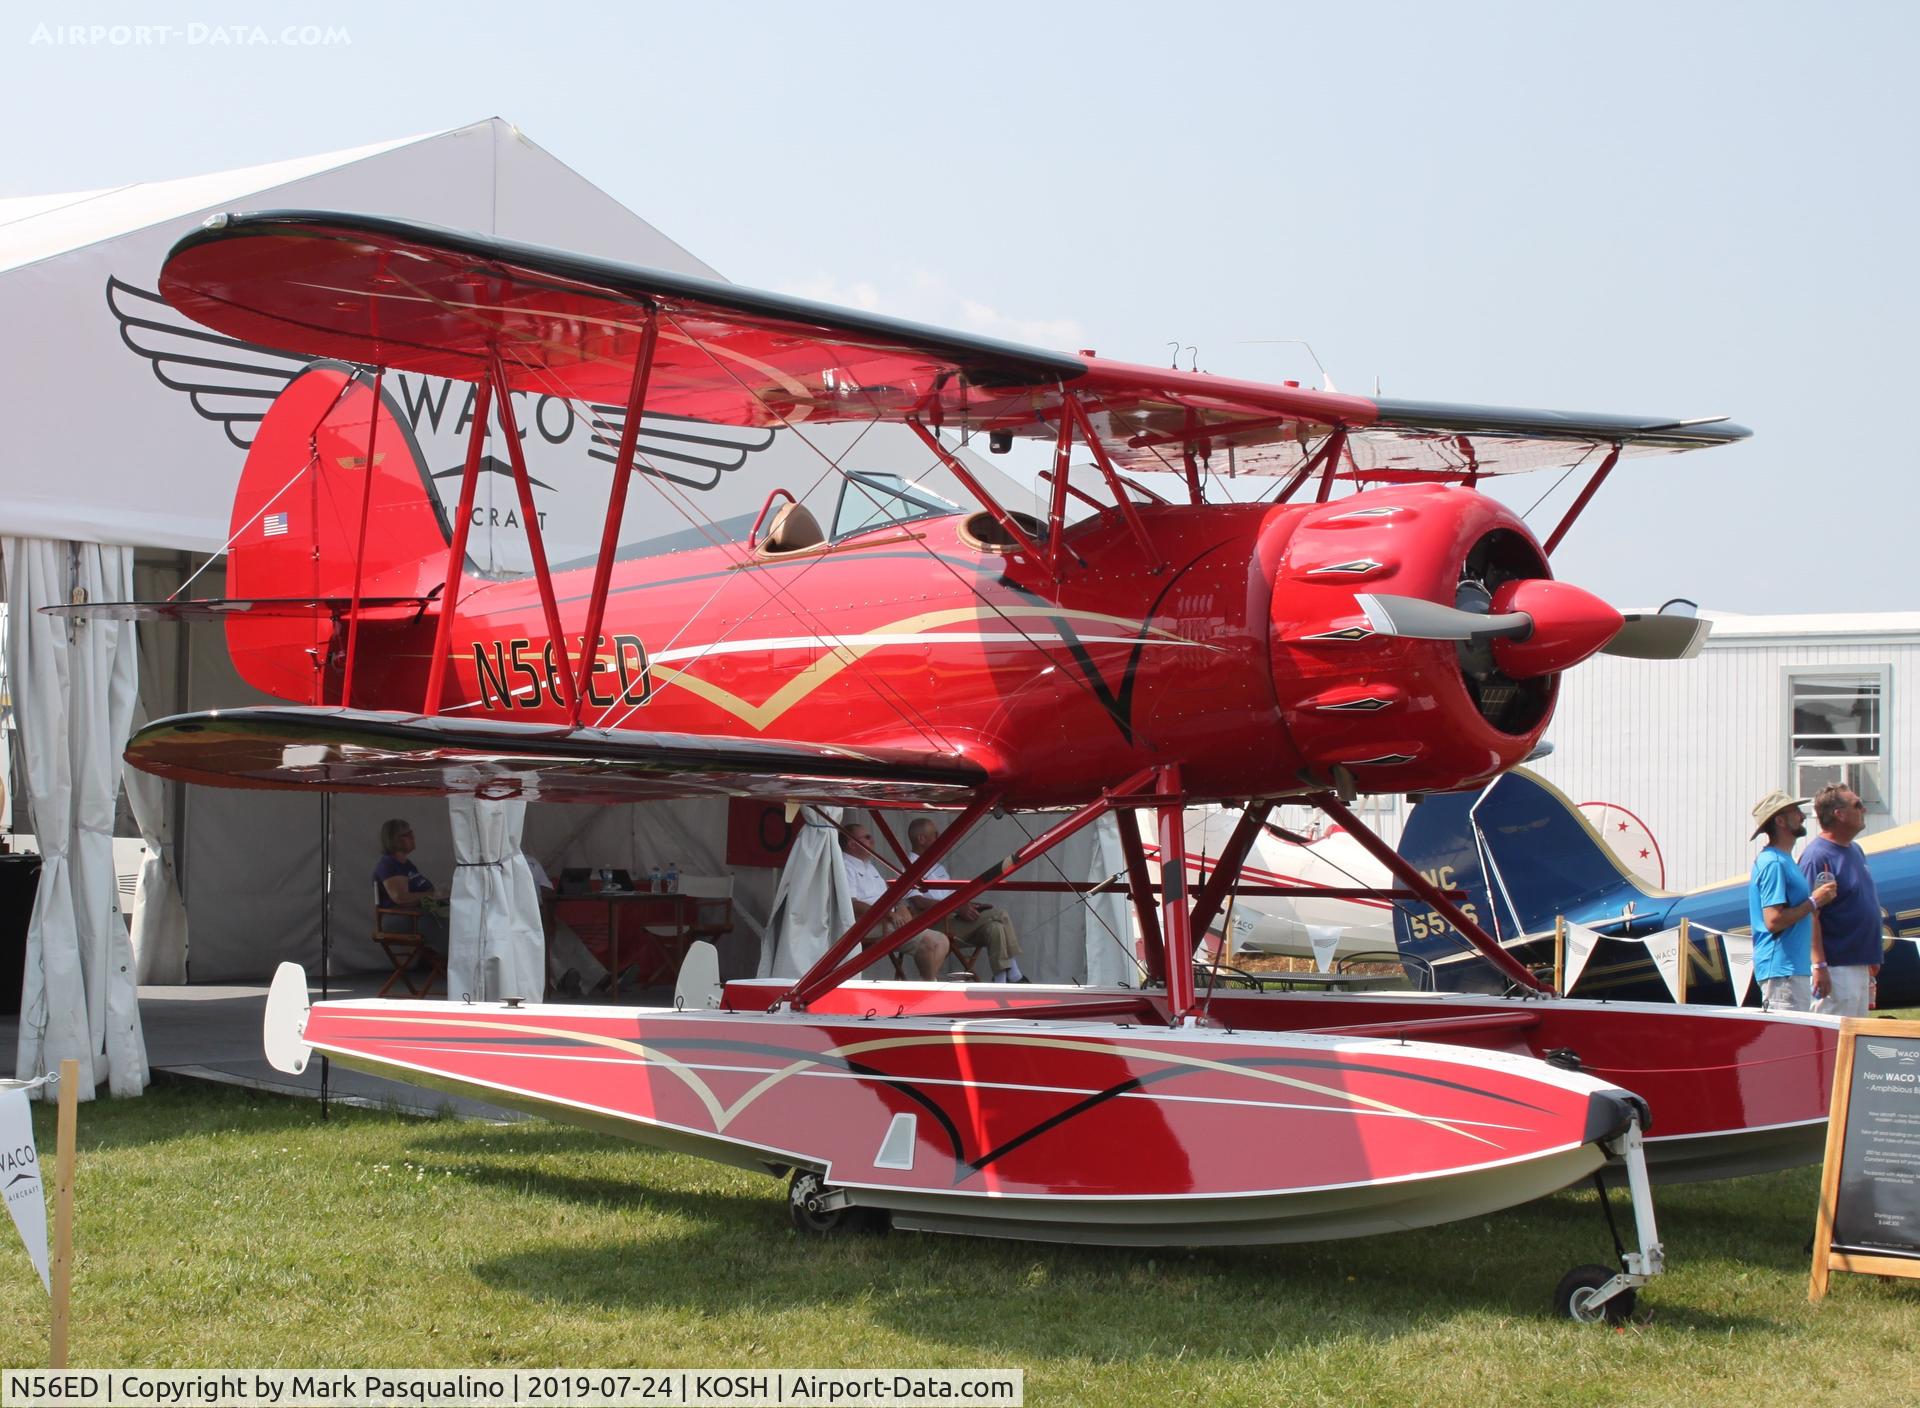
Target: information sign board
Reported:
[(1869, 1217)]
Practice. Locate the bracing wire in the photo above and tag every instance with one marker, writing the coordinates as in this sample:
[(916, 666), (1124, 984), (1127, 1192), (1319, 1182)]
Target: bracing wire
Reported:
[(778, 590), (313, 462), (1009, 404)]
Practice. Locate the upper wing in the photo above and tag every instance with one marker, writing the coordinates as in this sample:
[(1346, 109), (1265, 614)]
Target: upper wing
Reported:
[(444, 303), (439, 302), (355, 750)]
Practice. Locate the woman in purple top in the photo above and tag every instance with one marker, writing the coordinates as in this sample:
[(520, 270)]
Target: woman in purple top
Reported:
[(398, 884)]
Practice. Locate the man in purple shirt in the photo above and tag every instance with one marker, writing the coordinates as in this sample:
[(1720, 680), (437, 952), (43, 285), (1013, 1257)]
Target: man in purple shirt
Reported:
[(1850, 926)]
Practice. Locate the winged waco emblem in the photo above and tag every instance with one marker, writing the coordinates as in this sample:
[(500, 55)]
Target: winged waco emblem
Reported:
[(232, 383), (1889, 1053)]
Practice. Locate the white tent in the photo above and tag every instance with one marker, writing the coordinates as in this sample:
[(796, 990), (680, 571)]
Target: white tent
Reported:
[(137, 422)]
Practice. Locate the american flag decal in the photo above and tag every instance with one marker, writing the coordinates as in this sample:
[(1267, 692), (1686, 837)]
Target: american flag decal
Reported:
[(275, 524)]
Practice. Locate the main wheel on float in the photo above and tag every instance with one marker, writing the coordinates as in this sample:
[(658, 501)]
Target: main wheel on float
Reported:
[(806, 1191), (1573, 1297)]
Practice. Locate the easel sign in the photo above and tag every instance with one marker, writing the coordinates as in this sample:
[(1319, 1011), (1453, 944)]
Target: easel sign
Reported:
[(1869, 1217)]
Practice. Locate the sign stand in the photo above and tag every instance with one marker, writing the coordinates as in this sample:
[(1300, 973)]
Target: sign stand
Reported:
[(62, 1268), (1683, 960), (1869, 1214)]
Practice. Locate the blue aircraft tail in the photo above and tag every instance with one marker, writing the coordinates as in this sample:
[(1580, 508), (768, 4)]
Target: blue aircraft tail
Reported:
[(1524, 855), (1549, 861), (1438, 839)]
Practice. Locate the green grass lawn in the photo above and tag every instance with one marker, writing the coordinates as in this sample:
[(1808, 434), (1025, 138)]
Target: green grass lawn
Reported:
[(220, 1229)]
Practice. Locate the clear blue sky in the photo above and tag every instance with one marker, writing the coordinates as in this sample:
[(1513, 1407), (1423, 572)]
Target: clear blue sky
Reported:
[(1682, 209)]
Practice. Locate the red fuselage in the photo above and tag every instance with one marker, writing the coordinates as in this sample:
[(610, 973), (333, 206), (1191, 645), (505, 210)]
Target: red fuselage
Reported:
[(1245, 660)]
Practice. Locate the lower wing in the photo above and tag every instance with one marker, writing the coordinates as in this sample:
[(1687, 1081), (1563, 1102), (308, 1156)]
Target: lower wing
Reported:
[(356, 750)]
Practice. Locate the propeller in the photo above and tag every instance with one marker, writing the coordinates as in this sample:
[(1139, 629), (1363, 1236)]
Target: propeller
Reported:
[(1416, 618), (1538, 626), (1662, 635)]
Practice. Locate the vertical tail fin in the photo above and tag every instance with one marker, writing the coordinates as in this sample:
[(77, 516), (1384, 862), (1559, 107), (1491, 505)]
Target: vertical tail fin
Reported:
[(296, 531), (1525, 856), (1547, 858)]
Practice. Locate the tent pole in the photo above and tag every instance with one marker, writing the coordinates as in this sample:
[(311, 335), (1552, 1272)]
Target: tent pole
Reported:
[(326, 927), (183, 697)]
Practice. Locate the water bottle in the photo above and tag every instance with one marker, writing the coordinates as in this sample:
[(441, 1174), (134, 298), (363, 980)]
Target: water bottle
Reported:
[(653, 880), (673, 877)]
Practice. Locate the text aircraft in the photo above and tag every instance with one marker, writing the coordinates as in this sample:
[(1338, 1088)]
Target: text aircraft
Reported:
[(1377, 625), (1526, 856)]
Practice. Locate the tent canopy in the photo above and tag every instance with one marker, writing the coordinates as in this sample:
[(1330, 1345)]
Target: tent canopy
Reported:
[(142, 417), (140, 423)]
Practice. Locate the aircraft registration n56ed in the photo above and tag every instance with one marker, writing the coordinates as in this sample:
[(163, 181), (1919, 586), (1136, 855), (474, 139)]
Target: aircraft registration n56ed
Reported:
[(1378, 625)]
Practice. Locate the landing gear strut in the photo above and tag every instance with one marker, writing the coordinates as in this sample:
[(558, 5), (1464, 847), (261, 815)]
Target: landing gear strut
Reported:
[(1593, 1294)]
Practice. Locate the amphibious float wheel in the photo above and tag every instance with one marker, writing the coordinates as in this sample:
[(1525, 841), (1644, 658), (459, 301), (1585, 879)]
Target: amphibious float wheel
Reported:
[(1573, 1297), (804, 1193)]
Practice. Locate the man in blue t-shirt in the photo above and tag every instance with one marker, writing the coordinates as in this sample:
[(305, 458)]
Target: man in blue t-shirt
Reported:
[(1787, 958), (1850, 927)]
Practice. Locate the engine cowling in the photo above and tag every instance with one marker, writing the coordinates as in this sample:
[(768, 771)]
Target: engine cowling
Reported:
[(1395, 713)]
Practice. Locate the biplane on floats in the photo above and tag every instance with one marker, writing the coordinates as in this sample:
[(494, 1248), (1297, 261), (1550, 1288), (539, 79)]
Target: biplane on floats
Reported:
[(1405, 634)]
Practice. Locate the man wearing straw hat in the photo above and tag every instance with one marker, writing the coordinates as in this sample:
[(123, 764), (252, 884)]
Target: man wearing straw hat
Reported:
[(1788, 961)]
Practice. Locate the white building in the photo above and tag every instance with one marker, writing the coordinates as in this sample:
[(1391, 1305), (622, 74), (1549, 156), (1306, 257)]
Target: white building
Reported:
[(1772, 701)]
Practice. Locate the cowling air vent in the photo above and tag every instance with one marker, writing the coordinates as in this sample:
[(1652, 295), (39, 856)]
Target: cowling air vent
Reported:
[(1510, 705)]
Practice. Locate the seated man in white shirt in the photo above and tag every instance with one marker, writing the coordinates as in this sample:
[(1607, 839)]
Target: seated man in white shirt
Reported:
[(971, 925), (868, 885)]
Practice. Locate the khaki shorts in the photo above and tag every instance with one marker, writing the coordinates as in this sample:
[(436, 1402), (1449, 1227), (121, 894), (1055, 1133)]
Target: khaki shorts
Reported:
[(1848, 995), (1786, 994)]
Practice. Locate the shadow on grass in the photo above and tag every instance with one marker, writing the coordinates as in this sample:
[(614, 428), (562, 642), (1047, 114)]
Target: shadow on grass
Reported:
[(173, 1110), (722, 1250)]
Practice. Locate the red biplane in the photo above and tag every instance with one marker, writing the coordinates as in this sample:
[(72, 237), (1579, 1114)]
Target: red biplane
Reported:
[(1404, 633)]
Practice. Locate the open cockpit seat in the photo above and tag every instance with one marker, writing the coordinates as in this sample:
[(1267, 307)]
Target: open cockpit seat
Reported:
[(794, 529)]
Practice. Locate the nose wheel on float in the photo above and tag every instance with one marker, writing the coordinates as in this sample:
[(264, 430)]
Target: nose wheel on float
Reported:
[(816, 1208), (1596, 1294)]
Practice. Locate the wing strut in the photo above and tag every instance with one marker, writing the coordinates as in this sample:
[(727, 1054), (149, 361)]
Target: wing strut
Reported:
[(1139, 530), (1488, 946), (616, 510), (1057, 501), (1175, 928), (457, 553), (1593, 487), (1328, 455), (1226, 870), (360, 547), (835, 967), (531, 516), (1140, 884), (978, 490)]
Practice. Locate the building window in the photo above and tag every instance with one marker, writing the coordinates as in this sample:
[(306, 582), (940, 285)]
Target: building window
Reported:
[(1838, 723)]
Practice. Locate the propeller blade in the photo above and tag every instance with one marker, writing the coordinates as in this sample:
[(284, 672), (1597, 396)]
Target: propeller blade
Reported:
[(1417, 619), (1647, 636)]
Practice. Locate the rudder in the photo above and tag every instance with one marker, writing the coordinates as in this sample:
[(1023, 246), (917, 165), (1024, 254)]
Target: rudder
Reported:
[(296, 528), (1549, 859)]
